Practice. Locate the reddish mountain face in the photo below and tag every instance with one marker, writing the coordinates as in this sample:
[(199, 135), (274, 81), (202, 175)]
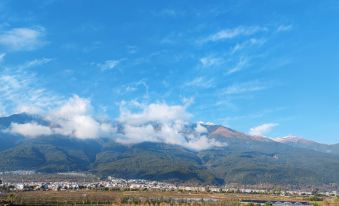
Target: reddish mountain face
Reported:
[(221, 132)]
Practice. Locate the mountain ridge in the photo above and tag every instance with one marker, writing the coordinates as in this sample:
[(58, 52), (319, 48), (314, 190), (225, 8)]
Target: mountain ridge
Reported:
[(243, 159), (299, 142)]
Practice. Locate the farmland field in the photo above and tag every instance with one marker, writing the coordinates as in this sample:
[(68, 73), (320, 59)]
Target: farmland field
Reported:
[(90, 197)]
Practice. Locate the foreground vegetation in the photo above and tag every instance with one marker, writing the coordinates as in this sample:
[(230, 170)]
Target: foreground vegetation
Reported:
[(116, 198), (87, 197)]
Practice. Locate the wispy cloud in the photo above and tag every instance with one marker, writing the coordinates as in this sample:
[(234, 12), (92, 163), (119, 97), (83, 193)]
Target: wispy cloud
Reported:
[(172, 38), (248, 43), (132, 49), (233, 33), (242, 63), (226, 103), (109, 64), (255, 115), (35, 62), (138, 86), (245, 87), (169, 12), (2, 57), (22, 39), (200, 82), (284, 28), (263, 129), (210, 61), (20, 91)]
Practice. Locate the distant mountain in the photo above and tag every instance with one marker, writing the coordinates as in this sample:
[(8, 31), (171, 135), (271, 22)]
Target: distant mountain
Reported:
[(21, 118), (244, 159), (304, 143)]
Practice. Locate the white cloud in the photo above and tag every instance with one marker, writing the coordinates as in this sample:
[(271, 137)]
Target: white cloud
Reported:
[(74, 119), (203, 143), (71, 119), (244, 88), (29, 109), (200, 129), (74, 106), (18, 39), (154, 112), (169, 133), (152, 132), (30, 129), (159, 122), (109, 64), (233, 33), (137, 134), (207, 123), (263, 129)]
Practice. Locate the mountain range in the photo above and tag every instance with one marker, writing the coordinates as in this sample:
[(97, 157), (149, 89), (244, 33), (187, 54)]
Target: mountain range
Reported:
[(241, 158)]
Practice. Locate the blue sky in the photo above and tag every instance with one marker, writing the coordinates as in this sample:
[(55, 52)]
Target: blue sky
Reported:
[(265, 66)]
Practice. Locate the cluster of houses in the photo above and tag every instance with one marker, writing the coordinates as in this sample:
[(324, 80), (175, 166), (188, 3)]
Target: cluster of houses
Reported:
[(137, 184)]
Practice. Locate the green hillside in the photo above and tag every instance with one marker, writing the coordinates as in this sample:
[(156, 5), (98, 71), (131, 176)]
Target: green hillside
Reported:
[(245, 160), (264, 162)]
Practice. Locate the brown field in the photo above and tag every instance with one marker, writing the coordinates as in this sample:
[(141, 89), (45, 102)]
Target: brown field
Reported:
[(90, 197)]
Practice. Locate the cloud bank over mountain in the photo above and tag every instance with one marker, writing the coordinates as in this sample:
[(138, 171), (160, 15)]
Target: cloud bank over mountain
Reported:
[(73, 118), (156, 122), (30, 129)]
